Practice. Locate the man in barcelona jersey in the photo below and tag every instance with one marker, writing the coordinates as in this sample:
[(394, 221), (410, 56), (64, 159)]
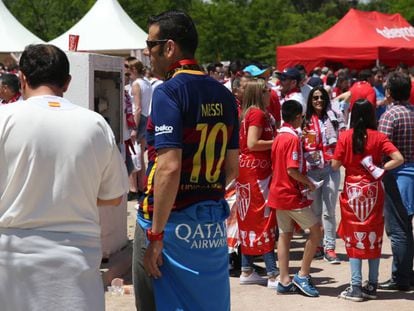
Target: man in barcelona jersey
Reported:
[(180, 251)]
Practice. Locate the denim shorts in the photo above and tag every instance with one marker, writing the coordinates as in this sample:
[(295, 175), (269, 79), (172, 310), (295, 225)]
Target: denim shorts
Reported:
[(142, 127)]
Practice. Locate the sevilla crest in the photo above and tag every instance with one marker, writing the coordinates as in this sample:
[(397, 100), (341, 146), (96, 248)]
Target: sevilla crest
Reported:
[(362, 197), (243, 199)]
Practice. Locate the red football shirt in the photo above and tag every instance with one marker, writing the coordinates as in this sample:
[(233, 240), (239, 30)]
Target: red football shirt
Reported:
[(258, 118), (284, 193), (377, 145), (364, 90), (274, 106)]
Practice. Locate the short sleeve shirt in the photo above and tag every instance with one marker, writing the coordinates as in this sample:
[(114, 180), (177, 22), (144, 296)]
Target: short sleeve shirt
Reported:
[(274, 106), (398, 124), (255, 117), (53, 173), (377, 145), (284, 191), (198, 115)]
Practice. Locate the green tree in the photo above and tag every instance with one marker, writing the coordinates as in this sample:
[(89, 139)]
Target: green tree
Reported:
[(228, 29), (221, 30), (404, 7), (139, 10), (48, 18)]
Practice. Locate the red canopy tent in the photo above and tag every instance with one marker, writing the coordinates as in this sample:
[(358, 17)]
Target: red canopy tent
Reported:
[(358, 40)]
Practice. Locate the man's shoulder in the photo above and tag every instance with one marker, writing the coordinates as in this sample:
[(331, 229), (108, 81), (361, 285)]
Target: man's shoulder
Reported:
[(395, 110), (390, 112), (286, 138), (184, 81)]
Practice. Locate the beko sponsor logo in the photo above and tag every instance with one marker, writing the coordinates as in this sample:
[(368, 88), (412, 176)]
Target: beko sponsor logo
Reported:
[(163, 129)]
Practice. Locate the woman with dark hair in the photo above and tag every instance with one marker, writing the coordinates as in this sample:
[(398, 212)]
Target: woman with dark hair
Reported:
[(256, 221), (360, 150), (322, 126)]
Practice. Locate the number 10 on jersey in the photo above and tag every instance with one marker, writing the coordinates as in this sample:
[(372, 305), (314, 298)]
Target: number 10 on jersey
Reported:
[(208, 145)]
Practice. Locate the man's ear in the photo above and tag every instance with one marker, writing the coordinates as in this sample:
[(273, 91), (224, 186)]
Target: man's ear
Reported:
[(170, 48), (66, 85), (23, 82)]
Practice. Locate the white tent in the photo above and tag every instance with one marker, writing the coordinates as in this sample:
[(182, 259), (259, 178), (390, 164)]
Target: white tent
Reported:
[(14, 37), (106, 28)]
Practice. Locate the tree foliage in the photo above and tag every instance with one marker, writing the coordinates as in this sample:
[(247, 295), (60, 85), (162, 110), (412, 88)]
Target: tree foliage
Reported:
[(228, 29), (48, 18)]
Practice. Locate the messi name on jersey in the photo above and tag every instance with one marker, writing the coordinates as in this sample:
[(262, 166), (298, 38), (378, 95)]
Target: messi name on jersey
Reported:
[(212, 110)]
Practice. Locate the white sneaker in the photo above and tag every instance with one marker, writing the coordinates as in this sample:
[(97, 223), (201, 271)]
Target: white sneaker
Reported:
[(272, 284), (253, 278)]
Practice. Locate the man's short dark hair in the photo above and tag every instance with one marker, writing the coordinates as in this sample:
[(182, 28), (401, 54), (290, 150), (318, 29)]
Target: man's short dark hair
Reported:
[(237, 66), (179, 27), (290, 109), (44, 64), (212, 67), (11, 81), (399, 85), (364, 75)]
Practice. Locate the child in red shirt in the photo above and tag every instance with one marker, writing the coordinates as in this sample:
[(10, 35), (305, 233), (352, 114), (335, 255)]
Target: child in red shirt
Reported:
[(292, 206), (360, 150)]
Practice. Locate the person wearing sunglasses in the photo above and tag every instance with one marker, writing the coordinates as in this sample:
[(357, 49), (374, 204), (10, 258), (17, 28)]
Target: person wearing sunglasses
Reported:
[(193, 139), (321, 128)]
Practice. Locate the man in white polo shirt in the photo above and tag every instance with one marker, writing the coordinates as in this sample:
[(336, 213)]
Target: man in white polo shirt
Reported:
[(58, 163)]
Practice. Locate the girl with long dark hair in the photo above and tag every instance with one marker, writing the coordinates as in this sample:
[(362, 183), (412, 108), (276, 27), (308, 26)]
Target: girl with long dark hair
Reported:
[(360, 150)]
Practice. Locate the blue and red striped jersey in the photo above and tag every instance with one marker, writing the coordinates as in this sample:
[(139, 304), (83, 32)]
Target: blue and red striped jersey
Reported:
[(197, 114)]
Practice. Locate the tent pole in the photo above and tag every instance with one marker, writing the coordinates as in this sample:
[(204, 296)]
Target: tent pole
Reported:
[(377, 63)]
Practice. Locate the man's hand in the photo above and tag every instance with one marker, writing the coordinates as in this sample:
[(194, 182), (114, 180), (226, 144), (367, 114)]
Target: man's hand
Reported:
[(311, 186), (153, 259)]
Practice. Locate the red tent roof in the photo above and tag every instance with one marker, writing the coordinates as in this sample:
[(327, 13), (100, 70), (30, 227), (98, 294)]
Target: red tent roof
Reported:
[(356, 41)]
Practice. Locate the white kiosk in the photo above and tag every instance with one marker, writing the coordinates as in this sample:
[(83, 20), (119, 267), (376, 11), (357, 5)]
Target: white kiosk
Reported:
[(97, 84)]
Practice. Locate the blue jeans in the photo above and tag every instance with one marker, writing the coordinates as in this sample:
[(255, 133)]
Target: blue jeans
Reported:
[(356, 271), (325, 202), (269, 259), (398, 226)]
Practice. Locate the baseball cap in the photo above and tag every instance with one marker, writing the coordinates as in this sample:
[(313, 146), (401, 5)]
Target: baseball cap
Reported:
[(315, 81), (254, 71), (290, 73)]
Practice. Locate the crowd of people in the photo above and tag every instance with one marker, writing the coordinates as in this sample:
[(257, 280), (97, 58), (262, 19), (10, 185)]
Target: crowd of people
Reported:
[(202, 143), (295, 131)]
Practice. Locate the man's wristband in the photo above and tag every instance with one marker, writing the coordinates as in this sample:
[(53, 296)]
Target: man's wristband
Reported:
[(154, 236)]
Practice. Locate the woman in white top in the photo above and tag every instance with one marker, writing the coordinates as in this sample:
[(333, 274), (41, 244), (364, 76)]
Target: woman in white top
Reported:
[(141, 92)]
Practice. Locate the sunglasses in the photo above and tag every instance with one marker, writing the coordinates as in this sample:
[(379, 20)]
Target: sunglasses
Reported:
[(153, 43), (317, 98)]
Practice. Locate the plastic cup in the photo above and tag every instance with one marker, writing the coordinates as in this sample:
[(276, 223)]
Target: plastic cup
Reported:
[(73, 42), (310, 137)]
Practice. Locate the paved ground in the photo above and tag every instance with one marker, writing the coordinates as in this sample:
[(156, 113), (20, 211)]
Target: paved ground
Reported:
[(330, 280)]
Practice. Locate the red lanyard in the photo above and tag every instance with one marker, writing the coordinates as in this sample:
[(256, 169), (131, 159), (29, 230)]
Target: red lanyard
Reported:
[(181, 63)]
